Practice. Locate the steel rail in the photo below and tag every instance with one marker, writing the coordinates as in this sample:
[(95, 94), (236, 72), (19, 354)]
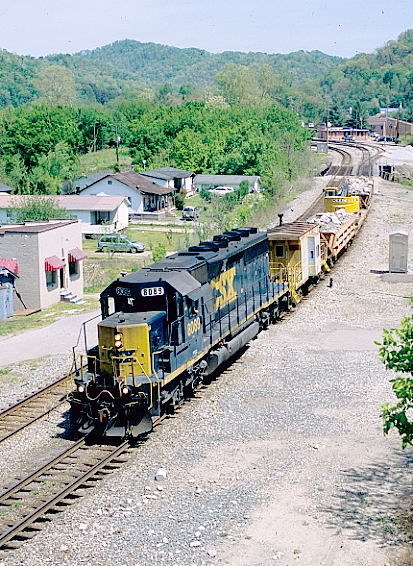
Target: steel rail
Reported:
[(28, 408), (316, 206), (29, 403), (26, 527), (18, 529)]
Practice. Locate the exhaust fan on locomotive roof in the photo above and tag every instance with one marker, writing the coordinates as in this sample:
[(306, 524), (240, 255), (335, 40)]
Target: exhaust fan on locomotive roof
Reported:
[(222, 241), (202, 248), (233, 236), (245, 232)]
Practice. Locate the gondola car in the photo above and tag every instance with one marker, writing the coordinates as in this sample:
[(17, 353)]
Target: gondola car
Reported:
[(169, 326)]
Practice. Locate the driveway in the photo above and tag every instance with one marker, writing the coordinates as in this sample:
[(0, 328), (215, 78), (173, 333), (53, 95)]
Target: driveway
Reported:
[(58, 338)]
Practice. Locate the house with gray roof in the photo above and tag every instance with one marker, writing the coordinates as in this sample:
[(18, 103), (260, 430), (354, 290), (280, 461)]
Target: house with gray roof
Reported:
[(176, 179), (145, 198), (233, 181), (98, 214), (5, 189)]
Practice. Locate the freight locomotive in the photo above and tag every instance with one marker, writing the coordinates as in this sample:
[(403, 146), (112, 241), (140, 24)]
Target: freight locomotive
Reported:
[(167, 328)]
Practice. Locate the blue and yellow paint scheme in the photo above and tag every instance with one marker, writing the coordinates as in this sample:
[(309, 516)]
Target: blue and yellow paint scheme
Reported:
[(168, 327)]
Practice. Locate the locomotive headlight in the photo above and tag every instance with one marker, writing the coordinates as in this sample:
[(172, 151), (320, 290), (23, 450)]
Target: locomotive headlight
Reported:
[(118, 340), (81, 388), (125, 390)]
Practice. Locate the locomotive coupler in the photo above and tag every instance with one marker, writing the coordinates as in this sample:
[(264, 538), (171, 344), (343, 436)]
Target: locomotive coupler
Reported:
[(104, 415)]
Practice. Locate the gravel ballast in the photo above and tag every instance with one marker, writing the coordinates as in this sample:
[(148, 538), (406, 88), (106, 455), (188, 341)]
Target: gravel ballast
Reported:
[(280, 461)]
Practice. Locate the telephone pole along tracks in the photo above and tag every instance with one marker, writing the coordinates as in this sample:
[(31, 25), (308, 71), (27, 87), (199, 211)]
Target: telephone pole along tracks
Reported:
[(32, 408)]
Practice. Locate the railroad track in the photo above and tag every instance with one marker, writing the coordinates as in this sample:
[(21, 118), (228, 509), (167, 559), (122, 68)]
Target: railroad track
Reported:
[(32, 408), (29, 503), (337, 171)]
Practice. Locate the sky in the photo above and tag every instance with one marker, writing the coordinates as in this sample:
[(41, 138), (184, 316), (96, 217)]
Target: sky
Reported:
[(336, 27)]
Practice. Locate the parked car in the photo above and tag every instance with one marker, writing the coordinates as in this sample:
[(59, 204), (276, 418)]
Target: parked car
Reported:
[(221, 191), (119, 243), (190, 213)]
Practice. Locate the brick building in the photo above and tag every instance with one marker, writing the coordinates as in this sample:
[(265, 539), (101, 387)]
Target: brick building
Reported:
[(390, 127), (49, 259)]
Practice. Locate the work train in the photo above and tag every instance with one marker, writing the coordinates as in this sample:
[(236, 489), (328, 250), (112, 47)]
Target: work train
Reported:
[(167, 328)]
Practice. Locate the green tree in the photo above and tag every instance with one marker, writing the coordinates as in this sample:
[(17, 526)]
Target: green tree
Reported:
[(396, 353), (36, 207), (56, 85), (34, 131), (52, 169), (238, 84), (14, 173), (358, 116)]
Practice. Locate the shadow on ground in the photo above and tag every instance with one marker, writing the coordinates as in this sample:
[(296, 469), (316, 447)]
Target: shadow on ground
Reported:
[(376, 502)]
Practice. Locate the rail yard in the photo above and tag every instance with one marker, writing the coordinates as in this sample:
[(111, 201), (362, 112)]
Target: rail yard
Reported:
[(269, 464)]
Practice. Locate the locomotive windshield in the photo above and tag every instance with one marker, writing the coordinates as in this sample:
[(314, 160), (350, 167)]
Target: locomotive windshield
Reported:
[(133, 299)]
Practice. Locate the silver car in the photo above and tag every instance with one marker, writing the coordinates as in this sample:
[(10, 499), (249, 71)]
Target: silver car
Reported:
[(119, 243)]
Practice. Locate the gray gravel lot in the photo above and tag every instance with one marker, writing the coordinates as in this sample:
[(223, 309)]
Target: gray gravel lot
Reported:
[(280, 461)]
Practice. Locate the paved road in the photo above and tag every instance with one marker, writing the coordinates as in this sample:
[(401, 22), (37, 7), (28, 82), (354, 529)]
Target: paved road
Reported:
[(58, 338)]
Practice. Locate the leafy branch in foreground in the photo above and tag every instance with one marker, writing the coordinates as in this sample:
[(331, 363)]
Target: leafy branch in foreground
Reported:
[(396, 353)]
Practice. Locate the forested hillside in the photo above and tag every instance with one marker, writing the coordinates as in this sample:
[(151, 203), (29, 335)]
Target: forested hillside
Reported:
[(311, 84), (376, 80), (129, 66), (228, 113)]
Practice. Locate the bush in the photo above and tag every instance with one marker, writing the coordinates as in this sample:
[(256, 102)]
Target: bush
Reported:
[(205, 194), (159, 251), (180, 200)]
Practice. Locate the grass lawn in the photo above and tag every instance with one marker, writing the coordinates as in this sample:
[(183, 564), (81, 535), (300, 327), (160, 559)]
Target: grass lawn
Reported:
[(101, 268), (104, 160), (172, 241), (152, 238), (16, 324)]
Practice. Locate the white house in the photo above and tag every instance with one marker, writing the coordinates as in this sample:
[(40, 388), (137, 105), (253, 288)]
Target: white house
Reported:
[(145, 197), (234, 181), (176, 179), (48, 257), (98, 214)]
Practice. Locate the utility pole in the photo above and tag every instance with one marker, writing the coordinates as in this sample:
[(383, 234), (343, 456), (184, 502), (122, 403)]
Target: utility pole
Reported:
[(94, 138), (117, 140)]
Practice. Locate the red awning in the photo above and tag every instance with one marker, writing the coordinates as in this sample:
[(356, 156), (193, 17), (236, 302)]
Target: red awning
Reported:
[(76, 254), (10, 264), (53, 263)]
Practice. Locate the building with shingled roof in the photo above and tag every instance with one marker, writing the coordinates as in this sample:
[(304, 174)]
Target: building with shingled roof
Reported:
[(145, 198), (176, 179)]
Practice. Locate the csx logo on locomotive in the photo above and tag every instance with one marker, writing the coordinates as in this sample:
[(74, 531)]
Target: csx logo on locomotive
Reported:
[(224, 284)]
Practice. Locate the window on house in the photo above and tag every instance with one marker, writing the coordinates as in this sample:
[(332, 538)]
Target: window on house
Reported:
[(73, 268), (109, 182), (279, 251), (51, 278), (100, 216)]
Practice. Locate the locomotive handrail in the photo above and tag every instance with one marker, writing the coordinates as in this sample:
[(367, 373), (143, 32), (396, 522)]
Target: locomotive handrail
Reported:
[(278, 271)]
